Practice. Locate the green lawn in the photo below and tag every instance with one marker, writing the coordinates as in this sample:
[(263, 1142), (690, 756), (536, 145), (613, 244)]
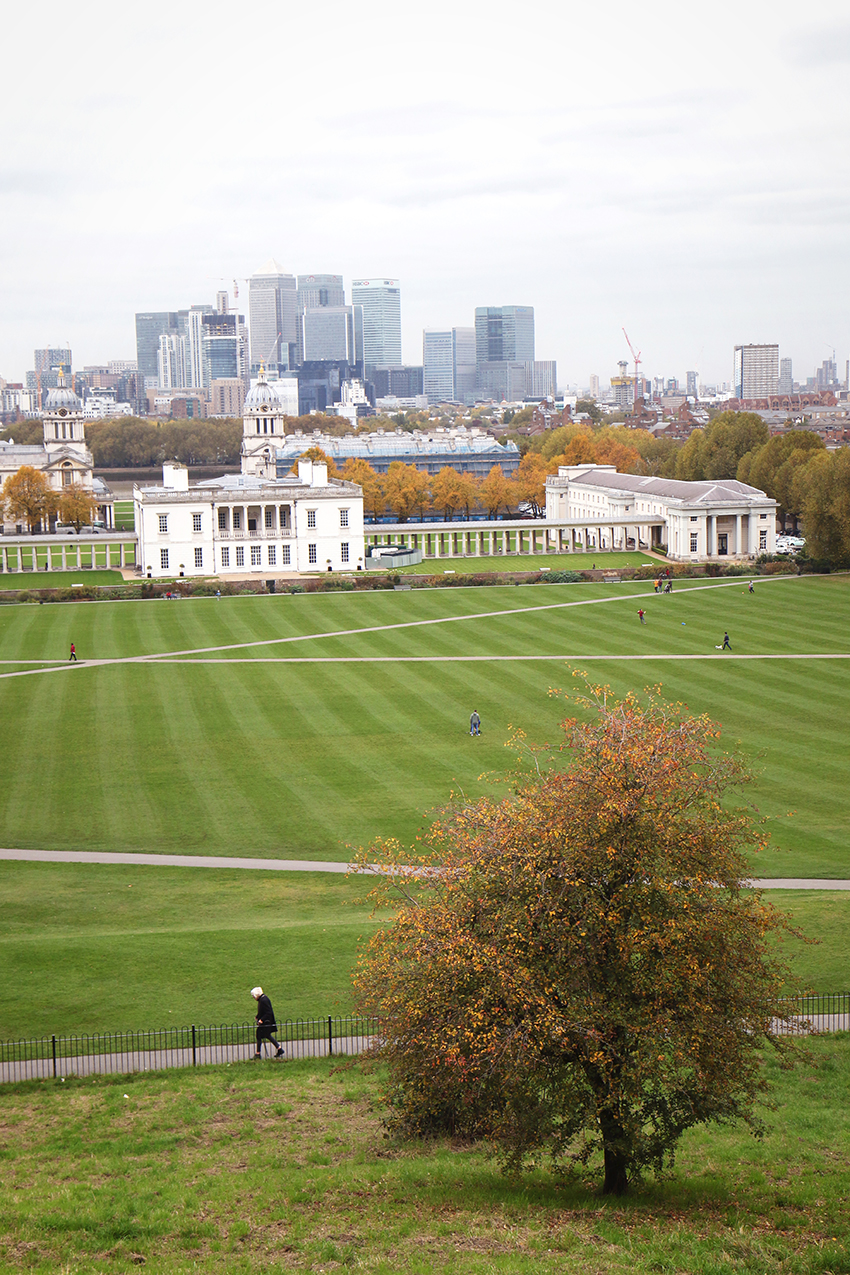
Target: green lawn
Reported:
[(88, 947), (534, 562), (234, 751), (35, 580), (264, 1167)]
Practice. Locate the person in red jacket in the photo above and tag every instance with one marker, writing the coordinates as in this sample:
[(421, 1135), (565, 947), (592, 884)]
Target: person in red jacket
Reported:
[(73, 655), (266, 1023)]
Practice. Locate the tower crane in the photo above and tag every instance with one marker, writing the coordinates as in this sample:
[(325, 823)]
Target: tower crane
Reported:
[(636, 358)]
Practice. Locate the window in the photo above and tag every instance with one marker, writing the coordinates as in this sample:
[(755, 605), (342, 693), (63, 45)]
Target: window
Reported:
[(163, 522), (237, 519), (763, 540), (312, 556), (343, 517), (196, 522), (199, 557), (225, 557), (343, 552), (694, 518), (269, 519), (240, 555), (762, 515), (694, 541), (272, 556), (311, 517), (163, 559), (256, 556), (222, 520), (285, 554)]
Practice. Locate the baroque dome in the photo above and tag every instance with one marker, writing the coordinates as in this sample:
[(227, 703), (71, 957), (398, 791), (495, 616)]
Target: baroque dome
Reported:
[(262, 396), (62, 396)]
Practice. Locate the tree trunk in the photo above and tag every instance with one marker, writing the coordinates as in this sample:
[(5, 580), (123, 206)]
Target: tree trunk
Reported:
[(615, 1182)]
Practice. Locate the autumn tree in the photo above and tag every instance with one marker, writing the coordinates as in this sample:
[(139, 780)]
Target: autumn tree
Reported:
[(405, 490), (580, 968), (76, 506), (28, 497), (448, 491), (321, 457), (495, 492), (530, 480), (357, 470)]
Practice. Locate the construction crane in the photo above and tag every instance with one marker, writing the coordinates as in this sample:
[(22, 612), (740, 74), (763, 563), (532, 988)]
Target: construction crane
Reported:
[(234, 282), (636, 358)]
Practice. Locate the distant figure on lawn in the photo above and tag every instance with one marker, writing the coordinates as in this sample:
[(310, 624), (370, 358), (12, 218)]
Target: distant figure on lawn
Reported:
[(266, 1024), (73, 655), (727, 645), (642, 616), (750, 588), (474, 724)]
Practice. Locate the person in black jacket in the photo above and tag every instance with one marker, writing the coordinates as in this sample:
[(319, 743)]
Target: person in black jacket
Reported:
[(266, 1024)]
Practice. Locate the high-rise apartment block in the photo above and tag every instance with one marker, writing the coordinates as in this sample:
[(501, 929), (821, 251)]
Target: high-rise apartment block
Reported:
[(756, 371), (273, 317), (786, 376), (51, 359), (381, 302)]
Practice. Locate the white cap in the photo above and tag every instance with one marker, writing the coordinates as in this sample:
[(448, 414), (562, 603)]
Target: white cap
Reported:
[(256, 992)]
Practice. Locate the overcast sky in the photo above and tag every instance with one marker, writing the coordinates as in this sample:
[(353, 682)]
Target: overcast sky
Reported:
[(680, 170)]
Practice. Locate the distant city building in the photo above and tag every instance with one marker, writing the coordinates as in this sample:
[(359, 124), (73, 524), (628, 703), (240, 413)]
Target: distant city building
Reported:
[(118, 366), (51, 359), (407, 381), (756, 371), (504, 333), (150, 326), (227, 396), (786, 377), (438, 365), (224, 348), (315, 291), (381, 302), (464, 367), (332, 333), (594, 386), (693, 384), (513, 382), (273, 316)]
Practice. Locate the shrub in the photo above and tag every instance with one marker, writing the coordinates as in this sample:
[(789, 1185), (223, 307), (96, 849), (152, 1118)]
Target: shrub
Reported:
[(561, 577)]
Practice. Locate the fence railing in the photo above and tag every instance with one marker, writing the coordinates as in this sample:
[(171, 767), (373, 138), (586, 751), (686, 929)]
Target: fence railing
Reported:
[(123, 1052)]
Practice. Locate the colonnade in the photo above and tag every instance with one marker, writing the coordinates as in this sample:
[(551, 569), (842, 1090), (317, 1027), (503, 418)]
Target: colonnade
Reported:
[(39, 553), (515, 538)]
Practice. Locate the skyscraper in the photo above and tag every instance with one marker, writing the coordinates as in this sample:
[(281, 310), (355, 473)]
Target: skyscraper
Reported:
[(333, 333), (786, 376), (51, 359), (273, 316), (504, 334), (149, 328), (756, 371), (437, 365), (381, 302), (318, 290)]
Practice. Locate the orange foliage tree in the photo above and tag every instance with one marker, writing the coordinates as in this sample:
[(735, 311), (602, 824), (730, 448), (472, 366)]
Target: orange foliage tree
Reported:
[(406, 490), (578, 968)]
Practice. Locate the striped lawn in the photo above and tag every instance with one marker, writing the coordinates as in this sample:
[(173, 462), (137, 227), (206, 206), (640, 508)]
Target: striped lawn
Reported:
[(250, 749)]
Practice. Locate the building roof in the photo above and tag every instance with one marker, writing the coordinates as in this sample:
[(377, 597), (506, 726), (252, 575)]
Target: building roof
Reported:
[(710, 492), (400, 444)]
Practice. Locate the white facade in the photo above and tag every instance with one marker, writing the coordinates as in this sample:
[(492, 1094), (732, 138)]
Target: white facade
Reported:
[(245, 523), (697, 521)]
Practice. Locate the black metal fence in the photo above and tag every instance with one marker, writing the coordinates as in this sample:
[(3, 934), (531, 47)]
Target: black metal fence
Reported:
[(120, 1053)]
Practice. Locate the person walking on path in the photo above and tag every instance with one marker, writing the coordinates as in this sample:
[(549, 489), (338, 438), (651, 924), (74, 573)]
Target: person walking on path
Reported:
[(727, 645), (642, 616), (750, 588), (73, 655), (474, 724), (266, 1024)]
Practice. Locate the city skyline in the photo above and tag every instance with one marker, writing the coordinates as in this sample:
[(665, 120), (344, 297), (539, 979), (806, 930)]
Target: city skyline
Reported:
[(685, 177)]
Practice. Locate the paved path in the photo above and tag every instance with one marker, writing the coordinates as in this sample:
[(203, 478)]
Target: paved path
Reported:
[(312, 865)]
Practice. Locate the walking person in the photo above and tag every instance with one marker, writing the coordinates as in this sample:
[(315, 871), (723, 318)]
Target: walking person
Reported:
[(642, 616), (474, 724), (750, 588), (73, 655), (727, 645), (266, 1024)]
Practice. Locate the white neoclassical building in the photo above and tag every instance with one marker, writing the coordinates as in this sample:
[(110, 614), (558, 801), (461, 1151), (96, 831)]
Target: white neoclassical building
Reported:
[(63, 456), (697, 521), (252, 522)]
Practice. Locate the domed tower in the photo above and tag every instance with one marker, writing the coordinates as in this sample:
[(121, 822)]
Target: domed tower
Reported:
[(68, 458), (263, 427)]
